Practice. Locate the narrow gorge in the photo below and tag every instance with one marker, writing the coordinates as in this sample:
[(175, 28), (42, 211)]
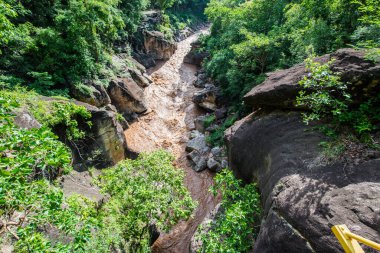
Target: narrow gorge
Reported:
[(189, 126), (167, 125)]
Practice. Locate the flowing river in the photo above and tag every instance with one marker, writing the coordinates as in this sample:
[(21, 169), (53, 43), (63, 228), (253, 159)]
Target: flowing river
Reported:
[(167, 125)]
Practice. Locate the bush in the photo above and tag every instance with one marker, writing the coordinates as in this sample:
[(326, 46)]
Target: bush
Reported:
[(250, 38), (234, 229), (143, 194), (328, 98)]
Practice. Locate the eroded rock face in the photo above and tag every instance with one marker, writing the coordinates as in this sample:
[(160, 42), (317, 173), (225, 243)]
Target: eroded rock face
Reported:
[(157, 46), (281, 87), (303, 196), (195, 57), (208, 98), (96, 95), (127, 96)]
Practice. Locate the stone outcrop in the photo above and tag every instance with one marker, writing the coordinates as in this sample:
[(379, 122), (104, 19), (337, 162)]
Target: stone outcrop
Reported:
[(150, 45), (157, 46), (195, 57), (303, 193), (24, 119), (209, 98), (104, 144), (95, 95), (281, 87), (125, 92), (127, 96), (105, 138), (198, 150)]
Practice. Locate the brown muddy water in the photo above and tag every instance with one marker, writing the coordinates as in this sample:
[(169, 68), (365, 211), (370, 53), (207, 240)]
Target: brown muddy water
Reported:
[(167, 125)]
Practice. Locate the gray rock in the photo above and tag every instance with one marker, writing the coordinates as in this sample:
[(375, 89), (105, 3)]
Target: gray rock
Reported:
[(221, 113), (25, 120), (96, 94), (127, 96), (303, 196), (198, 144), (208, 98), (140, 78), (199, 123), (281, 87), (216, 151), (201, 80), (195, 133), (195, 57), (224, 164), (213, 165), (198, 160)]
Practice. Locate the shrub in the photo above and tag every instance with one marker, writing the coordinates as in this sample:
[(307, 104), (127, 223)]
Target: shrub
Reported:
[(328, 98), (234, 228), (147, 193)]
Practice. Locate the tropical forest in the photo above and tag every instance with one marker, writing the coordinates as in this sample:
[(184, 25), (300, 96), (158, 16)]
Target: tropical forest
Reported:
[(190, 126)]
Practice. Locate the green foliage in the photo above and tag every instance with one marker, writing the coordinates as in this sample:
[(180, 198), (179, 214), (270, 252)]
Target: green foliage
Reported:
[(328, 98), (209, 120), (28, 202), (67, 114), (58, 44), (56, 114), (234, 228), (144, 192), (250, 38), (216, 138)]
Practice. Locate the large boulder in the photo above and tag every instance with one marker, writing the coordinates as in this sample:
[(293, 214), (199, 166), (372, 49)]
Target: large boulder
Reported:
[(107, 136), (94, 94), (140, 77), (209, 98), (303, 194), (158, 46), (127, 96), (150, 45), (198, 150), (281, 87), (104, 143)]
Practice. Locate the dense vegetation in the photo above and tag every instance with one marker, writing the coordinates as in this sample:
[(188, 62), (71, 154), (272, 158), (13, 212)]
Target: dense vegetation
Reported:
[(59, 46), (250, 38), (235, 225), (143, 195)]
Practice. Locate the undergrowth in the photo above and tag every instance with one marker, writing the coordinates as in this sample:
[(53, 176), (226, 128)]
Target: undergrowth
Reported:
[(348, 123), (235, 226), (142, 195)]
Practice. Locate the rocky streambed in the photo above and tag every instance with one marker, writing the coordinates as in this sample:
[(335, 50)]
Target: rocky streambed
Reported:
[(167, 124)]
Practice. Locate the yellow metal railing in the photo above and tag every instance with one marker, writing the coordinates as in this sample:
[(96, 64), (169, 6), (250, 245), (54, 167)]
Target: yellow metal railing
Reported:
[(350, 241)]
